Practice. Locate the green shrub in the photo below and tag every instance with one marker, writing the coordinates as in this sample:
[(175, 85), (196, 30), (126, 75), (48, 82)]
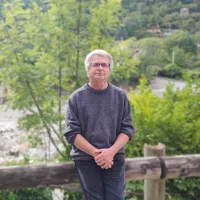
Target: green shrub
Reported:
[(26, 194), (173, 120)]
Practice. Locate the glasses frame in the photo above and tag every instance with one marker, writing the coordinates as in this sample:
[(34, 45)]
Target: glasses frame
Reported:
[(97, 65)]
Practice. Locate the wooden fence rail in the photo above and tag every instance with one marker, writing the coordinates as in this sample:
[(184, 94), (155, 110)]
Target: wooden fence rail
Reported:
[(147, 168)]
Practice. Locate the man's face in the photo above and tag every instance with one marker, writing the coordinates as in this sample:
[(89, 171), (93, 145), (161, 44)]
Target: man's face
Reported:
[(97, 72)]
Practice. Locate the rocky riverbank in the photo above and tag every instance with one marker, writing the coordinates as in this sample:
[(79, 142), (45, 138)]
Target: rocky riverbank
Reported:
[(11, 149), (14, 145)]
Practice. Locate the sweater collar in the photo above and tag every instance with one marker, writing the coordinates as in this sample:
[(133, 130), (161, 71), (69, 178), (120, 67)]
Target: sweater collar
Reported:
[(97, 91)]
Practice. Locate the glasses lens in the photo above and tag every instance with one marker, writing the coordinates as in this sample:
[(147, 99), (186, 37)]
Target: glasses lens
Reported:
[(104, 64), (100, 64)]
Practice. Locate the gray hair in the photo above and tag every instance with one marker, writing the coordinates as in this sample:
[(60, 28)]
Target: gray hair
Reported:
[(98, 52)]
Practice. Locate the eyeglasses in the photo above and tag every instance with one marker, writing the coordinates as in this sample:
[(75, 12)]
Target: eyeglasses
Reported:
[(96, 65)]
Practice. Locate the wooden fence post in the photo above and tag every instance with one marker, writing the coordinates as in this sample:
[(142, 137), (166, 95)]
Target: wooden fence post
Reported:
[(154, 189)]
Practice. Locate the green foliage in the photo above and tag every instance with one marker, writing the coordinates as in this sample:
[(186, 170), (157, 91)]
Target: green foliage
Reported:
[(153, 56), (179, 58), (197, 35), (169, 57), (44, 51), (126, 66), (103, 24), (26, 194), (34, 140), (140, 15), (182, 40), (173, 117), (184, 189), (68, 195), (171, 70), (25, 161), (134, 190)]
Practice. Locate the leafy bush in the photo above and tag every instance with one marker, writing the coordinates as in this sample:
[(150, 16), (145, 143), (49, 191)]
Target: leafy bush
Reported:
[(26, 194), (173, 120)]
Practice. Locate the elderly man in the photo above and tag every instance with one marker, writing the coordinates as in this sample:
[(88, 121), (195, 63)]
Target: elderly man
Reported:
[(98, 125)]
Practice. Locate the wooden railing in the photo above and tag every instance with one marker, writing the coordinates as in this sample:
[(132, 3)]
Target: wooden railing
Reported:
[(156, 168)]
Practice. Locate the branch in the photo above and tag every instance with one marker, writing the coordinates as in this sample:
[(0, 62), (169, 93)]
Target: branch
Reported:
[(43, 120)]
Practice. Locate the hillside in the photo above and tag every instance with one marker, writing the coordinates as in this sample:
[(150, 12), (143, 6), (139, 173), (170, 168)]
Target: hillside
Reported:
[(140, 15)]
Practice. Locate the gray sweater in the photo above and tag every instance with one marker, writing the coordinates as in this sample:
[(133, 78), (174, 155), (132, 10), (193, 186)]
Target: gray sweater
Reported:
[(99, 116)]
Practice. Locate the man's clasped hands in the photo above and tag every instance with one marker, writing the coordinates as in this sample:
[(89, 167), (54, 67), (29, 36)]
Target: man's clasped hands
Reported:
[(104, 157)]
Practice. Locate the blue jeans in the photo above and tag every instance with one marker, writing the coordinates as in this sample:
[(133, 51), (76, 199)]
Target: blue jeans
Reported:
[(102, 184)]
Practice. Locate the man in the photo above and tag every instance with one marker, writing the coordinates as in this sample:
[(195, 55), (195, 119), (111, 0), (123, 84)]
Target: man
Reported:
[(98, 125)]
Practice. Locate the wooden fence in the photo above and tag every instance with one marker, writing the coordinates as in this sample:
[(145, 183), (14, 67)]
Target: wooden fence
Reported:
[(153, 169)]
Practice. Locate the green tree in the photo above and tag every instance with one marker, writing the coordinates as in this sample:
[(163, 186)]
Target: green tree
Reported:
[(104, 24), (197, 36), (153, 56), (182, 40), (126, 64), (25, 69), (179, 57), (44, 55)]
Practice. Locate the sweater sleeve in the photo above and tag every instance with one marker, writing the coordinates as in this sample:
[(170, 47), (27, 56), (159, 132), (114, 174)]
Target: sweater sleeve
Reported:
[(72, 124), (127, 125)]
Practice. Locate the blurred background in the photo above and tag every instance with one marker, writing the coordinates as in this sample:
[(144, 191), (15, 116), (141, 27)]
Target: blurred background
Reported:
[(155, 46)]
